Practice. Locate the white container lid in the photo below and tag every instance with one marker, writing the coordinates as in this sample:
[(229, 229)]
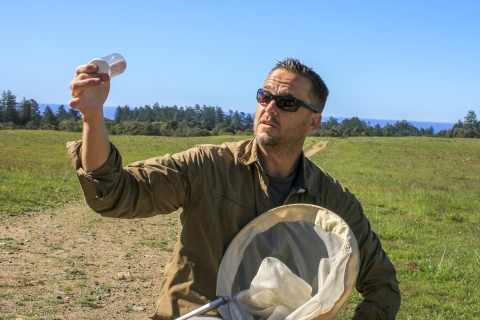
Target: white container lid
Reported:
[(103, 66)]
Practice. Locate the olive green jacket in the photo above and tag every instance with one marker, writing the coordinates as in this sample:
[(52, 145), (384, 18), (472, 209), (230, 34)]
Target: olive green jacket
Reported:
[(221, 189)]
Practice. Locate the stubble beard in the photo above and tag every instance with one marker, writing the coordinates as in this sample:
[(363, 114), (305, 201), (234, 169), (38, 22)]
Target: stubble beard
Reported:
[(284, 144), (263, 138), (281, 146), (267, 141)]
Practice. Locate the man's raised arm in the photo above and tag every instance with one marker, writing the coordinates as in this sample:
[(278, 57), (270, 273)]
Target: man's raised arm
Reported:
[(89, 92)]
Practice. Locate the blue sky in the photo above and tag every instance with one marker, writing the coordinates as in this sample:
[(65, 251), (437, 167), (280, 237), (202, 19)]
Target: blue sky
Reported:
[(403, 60)]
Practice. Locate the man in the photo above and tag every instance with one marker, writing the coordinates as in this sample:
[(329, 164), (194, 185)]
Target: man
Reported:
[(222, 188)]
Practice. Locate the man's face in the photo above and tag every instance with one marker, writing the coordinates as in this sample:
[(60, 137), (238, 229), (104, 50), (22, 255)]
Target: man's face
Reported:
[(276, 128)]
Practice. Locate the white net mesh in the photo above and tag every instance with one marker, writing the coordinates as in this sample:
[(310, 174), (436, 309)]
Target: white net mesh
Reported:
[(293, 262)]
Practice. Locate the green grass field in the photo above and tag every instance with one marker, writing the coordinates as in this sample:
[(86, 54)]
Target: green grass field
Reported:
[(421, 195)]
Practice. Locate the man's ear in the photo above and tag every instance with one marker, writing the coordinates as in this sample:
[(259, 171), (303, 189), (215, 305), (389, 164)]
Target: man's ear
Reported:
[(315, 121)]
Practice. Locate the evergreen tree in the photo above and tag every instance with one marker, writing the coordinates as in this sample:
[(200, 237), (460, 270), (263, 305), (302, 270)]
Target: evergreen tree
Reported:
[(330, 124), (145, 114), (118, 115), (404, 128), (459, 124), (134, 114), (388, 130), (189, 114), (219, 116), (354, 127), (377, 130), (180, 114), (156, 111), (236, 119), (3, 104), (248, 121), (127, 114), (49, 120), (8, 105), (163, 114), (470, 120), (25, 111), (62, 114), (36, 115), (242, 118), (74, 114), (173, 113), (471, 125), (198, 112), (228, 118), (208, 116)]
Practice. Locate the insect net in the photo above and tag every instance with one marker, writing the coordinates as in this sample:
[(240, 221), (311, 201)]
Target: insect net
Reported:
[(293, 262)]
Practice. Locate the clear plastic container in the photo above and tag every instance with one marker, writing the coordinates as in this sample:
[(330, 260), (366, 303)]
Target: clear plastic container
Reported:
[(113, 64)]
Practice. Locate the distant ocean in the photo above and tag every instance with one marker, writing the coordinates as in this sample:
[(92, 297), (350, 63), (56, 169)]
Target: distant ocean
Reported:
[(437, 126)]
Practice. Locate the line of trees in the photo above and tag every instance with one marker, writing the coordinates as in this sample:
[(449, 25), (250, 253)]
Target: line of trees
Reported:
[(26, 114), (202, 121), (179, 121), (148, 120), (355, 127), (469, 128)]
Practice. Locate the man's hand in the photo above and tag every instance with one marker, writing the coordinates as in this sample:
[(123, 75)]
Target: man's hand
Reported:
[(89, 92)]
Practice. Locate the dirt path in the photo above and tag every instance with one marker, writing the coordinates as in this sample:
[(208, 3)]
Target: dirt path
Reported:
[(315, 148), (72, 264)]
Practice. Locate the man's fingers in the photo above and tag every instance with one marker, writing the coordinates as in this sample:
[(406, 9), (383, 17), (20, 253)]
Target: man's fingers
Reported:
[(89, 70), (77, 86), (84, 76), (104, 77), (87, 75), (86, 81), (86, 68)]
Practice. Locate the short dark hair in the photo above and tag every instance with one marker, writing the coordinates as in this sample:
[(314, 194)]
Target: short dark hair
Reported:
[(319, 89)]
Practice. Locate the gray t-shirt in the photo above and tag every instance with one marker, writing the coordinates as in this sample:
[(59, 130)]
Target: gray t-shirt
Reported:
[(279, 189)]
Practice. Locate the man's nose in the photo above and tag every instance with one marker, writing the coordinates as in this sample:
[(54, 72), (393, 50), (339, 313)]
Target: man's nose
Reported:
[(272, 108)]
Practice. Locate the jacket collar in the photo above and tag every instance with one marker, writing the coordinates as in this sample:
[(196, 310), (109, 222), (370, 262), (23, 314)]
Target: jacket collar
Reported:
[(247, 151)]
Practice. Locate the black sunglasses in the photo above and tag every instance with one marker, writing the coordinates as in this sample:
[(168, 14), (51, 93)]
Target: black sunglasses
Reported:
[(286, 103)]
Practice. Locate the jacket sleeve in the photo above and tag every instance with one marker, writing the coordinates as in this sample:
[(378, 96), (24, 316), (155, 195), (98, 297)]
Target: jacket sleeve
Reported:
[(142, 189), (376, 280)]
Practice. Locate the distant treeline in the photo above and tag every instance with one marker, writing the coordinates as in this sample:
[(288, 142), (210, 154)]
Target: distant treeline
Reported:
[(202, 121), (179, 121), (469, 128), (26, 115)]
